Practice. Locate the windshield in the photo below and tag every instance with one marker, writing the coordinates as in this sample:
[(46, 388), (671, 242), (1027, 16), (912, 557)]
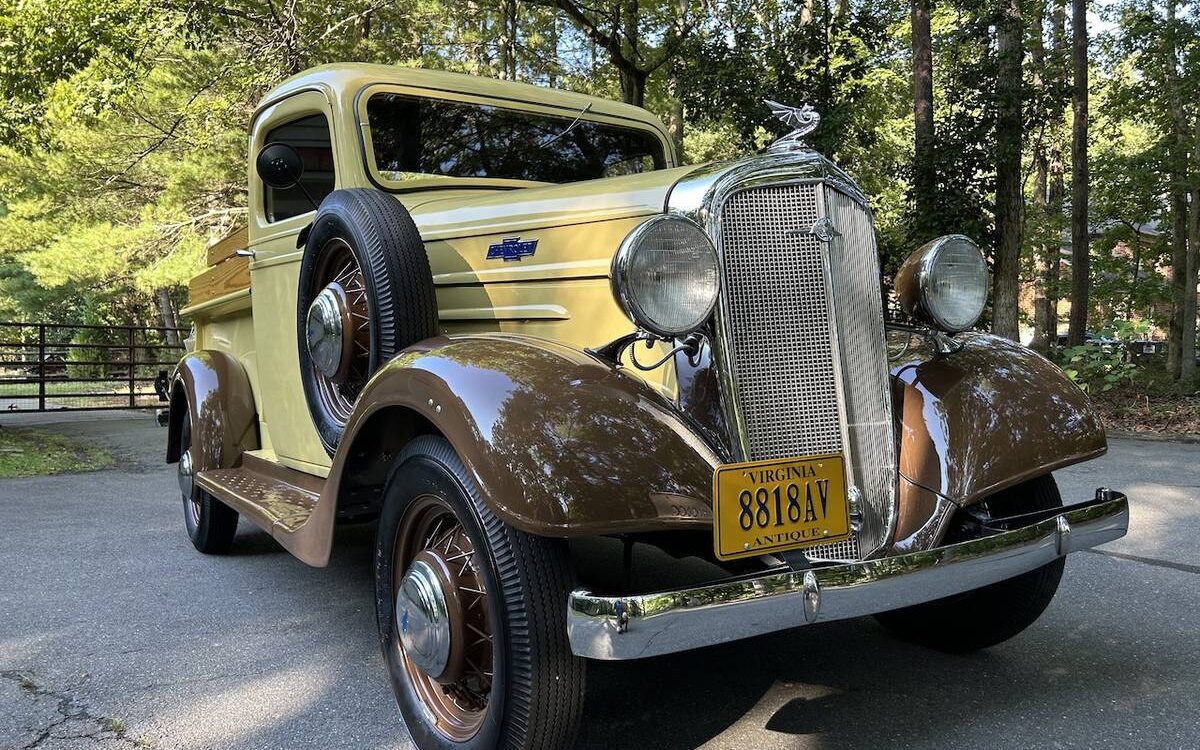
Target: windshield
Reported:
[(415, 137)]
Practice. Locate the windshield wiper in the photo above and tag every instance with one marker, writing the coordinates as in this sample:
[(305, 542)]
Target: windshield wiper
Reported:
[(568, 128)]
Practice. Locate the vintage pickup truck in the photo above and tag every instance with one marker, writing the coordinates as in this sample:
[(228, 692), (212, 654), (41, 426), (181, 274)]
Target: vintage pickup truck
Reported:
[(604, 406)]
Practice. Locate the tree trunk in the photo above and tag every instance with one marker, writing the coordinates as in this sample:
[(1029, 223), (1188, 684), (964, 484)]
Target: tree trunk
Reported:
[(1179, 253), (924, 166), (1009, 198), (1057, 189), (1137, 271), (806, 12), (1187, 365), (477, 26), (552, 43), (1178, 193), (633, 78), (633, 87), (507, 42), (166, 315), (675, 117), (1080, 270), (1042, 300), (674, 85)]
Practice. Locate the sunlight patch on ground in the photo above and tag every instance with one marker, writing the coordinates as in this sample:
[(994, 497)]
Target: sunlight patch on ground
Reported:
[(753, 728)]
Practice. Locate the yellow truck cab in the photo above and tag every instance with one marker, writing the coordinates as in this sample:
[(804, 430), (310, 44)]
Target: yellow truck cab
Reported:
[(601, 405)]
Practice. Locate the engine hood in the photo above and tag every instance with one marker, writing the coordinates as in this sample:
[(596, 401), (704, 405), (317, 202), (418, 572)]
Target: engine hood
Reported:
[(453, 214)]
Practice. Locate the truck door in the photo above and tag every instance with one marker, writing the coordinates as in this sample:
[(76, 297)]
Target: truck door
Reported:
[(303, 121)]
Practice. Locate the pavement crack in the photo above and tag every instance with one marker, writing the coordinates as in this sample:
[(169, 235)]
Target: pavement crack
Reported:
[(69, 710), (1148, 561)]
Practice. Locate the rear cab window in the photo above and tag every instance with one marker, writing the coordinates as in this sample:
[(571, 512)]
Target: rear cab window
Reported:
[(414, 137), (309, 135)]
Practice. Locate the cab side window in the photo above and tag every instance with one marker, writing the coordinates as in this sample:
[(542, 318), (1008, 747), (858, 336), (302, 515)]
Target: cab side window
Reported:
[(310, 137)]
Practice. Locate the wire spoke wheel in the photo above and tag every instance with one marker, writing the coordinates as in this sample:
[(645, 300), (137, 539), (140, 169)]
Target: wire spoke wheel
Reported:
[(471, 614), (340, 362), (364, 293), (454, 683)]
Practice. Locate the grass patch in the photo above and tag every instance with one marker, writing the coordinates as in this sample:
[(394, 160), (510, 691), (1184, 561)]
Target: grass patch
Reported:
[(30, 453)]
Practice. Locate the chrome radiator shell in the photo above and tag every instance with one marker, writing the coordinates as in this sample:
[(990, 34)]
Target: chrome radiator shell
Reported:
[(799, 328)]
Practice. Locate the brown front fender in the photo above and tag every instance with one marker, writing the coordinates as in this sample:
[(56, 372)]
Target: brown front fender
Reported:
[(214, 388), (559, 443), (989, 416)]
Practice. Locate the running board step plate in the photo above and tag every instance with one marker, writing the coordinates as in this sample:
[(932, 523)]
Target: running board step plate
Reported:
[(277, 499)]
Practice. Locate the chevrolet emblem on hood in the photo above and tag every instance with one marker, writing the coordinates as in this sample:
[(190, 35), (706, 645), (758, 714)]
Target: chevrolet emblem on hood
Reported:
[(511, 248)]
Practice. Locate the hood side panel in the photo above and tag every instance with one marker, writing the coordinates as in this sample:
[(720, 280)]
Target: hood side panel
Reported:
[(511, 211)]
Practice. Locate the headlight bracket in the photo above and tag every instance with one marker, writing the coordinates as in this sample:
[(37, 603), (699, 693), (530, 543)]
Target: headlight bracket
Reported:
[(943, 343), (611, 352)]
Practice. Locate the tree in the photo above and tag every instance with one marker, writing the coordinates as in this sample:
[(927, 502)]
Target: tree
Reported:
[(122, 148), (1080, 260), (618, 29), (1009, 195), (924, 159), (1187, 364), (1046, 248), (1057, 189)]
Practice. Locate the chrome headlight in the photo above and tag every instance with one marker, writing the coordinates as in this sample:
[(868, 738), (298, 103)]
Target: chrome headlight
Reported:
[(665, 276), (944, 284)]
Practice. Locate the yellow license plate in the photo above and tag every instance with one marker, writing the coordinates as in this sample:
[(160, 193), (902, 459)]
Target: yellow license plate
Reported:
[(770, 506)]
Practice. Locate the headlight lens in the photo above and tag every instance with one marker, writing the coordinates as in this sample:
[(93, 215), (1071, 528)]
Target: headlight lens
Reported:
[(665, 276), (944, 284)]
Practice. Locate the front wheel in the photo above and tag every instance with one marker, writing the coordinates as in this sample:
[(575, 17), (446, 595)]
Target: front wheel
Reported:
[(210, 523), (992, 614), (471, 614)]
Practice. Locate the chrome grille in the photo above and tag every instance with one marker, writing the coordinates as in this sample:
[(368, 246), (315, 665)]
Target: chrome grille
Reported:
[(798, 392), (778, 320), (866, 393), (847, 549)]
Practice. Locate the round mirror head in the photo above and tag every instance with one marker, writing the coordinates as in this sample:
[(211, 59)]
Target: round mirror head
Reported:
[(279, 165)]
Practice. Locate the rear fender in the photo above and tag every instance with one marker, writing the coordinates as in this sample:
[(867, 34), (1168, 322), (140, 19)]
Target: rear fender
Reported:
[(989, 416), (559, 443), (214, 388)]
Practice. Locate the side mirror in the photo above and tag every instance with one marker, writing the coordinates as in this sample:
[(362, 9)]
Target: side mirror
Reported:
[(279, 165)]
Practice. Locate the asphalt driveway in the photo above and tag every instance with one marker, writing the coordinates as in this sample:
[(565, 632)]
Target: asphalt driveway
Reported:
[(115, 633)]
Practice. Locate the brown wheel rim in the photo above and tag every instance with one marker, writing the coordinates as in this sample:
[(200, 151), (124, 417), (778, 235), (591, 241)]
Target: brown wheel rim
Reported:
[(455, 699), (338, 271)]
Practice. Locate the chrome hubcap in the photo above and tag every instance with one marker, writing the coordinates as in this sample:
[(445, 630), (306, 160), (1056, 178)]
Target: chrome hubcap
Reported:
[(325, 330), (423, 620), (185, 474)]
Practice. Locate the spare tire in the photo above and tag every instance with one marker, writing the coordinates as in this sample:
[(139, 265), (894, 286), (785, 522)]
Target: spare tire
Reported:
[(366, 292)]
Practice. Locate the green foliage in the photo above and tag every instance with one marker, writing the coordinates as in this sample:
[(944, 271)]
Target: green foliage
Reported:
[(123, 139), (1094, 366), (1101, 365)]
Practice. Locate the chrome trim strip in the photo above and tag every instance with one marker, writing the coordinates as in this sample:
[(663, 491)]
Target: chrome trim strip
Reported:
[(703, 188), (632, 627)]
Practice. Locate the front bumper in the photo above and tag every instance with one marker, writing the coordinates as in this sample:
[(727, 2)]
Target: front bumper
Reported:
[(632, 627)]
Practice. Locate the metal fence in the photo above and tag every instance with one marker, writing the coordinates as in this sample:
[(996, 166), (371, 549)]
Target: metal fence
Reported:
[(46, 367)]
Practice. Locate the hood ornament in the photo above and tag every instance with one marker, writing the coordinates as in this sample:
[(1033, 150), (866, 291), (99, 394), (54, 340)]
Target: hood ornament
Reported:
[(803, 120)]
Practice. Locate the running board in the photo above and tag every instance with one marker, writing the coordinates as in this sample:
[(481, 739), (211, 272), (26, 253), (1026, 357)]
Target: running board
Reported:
[(275, 498)]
